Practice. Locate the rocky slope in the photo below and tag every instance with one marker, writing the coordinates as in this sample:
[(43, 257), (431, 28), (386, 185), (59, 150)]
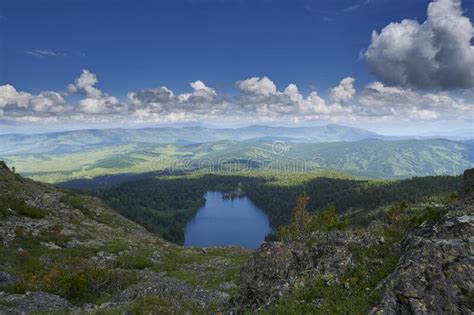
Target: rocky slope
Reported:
[(390, 268), (69, 253), (435, 273)]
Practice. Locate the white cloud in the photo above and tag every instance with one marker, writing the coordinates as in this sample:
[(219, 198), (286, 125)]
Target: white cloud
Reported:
[(96, 101), (256, 103), (201, 93), (10, 96), (258, 86), (101, 105), (85, 84), (376, 99), (49, 101), (289, 104), (202, 101), (435, 54), (42, 53), (18, 103), (344, 91)]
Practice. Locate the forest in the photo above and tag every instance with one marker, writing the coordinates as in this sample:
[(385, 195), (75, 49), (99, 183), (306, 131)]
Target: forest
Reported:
[(165, 204)]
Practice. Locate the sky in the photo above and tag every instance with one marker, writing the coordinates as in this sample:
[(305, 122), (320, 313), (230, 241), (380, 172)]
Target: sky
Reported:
[(391, 66)]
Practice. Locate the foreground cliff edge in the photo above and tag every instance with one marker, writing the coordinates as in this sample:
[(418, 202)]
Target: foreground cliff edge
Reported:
[(62, 252), (70, 253)]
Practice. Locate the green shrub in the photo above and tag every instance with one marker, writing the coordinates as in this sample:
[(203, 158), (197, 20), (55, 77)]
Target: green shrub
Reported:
[(78, 284), (304, 223), (135, 261), (20, 207), (76, 202), (3, 209), (115, 247), (30, 212), (430, 214)]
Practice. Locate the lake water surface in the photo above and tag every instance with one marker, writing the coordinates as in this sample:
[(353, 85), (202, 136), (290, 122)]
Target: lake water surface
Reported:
[(227, 222)]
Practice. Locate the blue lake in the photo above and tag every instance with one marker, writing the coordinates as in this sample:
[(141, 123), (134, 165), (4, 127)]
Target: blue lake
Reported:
[(227, 222)]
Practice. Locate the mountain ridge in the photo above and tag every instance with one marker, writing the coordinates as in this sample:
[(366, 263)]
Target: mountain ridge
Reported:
[(69, 141)]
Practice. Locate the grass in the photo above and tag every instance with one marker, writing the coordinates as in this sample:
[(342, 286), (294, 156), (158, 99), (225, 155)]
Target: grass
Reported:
[(115, 246), (134, 261), (20, 207), (176, 259), (157, 305), (79, 283), (70, 275)]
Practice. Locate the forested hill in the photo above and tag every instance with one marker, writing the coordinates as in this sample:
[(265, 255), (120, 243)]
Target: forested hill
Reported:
[(369, 158), (164, 205)]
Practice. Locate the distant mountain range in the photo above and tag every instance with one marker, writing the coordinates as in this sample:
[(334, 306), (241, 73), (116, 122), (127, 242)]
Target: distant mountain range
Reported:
[(60, 156), (79, 140), (367, 158)]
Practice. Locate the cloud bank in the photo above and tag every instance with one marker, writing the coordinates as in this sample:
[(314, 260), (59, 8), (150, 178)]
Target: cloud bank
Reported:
[(259, 100), (424, 72)]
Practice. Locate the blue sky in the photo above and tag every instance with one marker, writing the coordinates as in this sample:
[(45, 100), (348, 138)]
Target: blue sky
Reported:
[(140, 44), (86, 63)]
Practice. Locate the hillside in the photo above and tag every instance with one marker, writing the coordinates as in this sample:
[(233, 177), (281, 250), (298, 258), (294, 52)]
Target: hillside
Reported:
[(165, 204), (61, 251), (378, 159), (73, 141), (409, 262)]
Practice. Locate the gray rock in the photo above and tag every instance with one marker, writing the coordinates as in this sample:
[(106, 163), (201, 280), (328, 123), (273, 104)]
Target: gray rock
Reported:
[(272, 271), (31, 302), (6, 278), (435, 273), (172, 289)]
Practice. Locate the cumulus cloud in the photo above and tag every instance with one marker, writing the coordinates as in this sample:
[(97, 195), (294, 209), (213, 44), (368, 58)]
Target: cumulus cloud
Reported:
[(201, 93), (259, 100), (258, 86), (344, 91), (85, 84), (376, 99), (289, 104), (435, 54), (20, 103), (150, 97), (163, 103), (10, 96), (96, 101), (48, 102)]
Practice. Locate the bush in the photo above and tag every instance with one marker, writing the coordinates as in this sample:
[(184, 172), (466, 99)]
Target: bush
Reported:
[(304, 223), (137, 261), (430, 214), (78, 284), (30, 212), (115, 247), (20, 207)]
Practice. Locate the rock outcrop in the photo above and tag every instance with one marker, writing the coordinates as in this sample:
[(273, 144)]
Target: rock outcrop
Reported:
[(276, 267), (32, 302), (435, 273)]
